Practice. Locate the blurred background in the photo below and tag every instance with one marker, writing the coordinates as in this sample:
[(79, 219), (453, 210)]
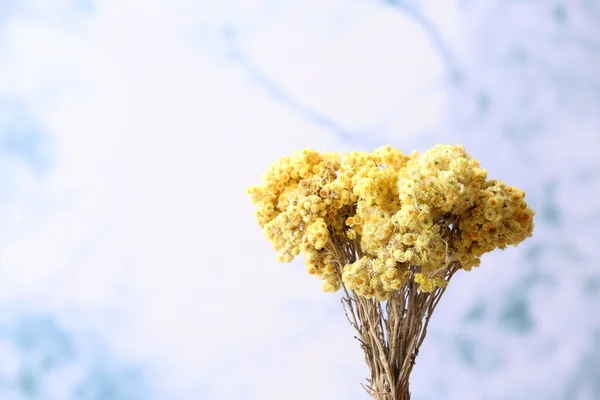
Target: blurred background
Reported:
[(131, 266)]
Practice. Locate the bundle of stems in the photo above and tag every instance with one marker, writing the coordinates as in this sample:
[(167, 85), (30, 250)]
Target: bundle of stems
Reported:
[(390, 332)]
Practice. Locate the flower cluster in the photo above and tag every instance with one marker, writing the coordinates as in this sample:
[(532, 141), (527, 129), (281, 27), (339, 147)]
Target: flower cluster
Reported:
[(404, 216)]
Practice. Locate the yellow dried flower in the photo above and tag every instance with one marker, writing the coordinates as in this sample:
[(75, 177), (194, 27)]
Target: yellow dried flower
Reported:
[(386, 216)]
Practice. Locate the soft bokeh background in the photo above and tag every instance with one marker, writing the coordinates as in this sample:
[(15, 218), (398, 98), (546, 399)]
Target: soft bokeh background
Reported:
[(131, 266)]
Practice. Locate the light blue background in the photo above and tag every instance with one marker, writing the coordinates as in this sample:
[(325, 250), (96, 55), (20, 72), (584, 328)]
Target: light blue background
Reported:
[(131, 266)]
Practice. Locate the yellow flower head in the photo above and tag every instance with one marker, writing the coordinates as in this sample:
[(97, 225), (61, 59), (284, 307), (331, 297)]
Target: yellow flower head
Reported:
[(379, 220)]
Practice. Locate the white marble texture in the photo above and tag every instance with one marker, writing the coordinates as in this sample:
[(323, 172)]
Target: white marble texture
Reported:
[(131, 266)]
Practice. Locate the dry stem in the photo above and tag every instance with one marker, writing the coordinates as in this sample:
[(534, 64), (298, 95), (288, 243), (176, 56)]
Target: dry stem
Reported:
[(390, 333)]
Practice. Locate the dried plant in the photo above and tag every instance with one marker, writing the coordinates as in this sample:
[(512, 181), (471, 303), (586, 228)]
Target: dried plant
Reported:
[(390, 230)]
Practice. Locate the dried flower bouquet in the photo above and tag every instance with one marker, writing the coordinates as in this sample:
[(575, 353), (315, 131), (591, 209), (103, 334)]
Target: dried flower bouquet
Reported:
[(390, 230)]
